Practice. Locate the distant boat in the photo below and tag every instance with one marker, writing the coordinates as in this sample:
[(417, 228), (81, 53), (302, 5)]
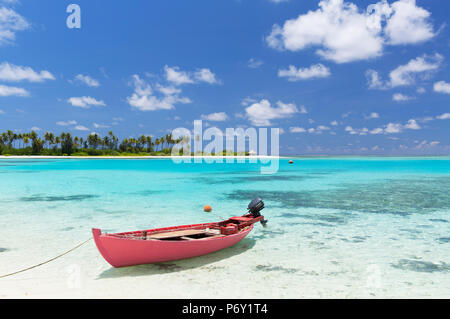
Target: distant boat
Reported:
[(178, 242)]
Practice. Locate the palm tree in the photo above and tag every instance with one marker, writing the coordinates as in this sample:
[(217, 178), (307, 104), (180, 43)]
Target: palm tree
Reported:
[(76, 142), (66, 143), (93, 140), (149, 143), (48, 138), (107, 142), (57, 142), (83, 143), (37, 143), (142, 141), (11, 136), (114, 140), (169, 140), (26, 139), (4, 138)]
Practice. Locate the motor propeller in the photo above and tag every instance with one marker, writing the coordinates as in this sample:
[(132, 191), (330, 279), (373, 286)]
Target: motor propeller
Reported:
[(255, 207)]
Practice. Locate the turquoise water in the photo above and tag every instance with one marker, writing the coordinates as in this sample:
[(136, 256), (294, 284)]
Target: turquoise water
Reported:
[(338, 227)]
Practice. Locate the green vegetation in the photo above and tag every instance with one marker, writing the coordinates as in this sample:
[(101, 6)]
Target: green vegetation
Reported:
[(93, 145)]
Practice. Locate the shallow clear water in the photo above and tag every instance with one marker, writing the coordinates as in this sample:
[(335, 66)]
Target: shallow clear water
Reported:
[(338, 227)]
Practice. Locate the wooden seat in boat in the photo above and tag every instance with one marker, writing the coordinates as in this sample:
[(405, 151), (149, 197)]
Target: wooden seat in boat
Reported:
[(177, 233), (187, 234)]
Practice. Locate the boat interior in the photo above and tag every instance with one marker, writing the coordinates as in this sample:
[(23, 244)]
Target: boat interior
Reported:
[(196, 232), (174, 235), (187, 234)]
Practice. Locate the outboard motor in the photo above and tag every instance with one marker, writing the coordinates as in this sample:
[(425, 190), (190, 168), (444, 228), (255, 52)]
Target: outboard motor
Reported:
[(255, 207)]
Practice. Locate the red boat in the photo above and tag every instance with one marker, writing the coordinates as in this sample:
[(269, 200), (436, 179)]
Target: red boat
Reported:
[(178, 242)]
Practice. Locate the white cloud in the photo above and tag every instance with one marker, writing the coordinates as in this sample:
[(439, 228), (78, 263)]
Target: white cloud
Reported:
[(408, 24), (35, 128), (297, 130), (425, 119), (318, 130), (406, 74), (11, 2), (373, 80), (85, 102), (314, 71), (372, 115), (323, 128), (144, 98), (344, 33), (10, 23), (176, 76), (15, 73), (2, 112), (412, 125), (445, 116), (392, 128), (398, 97), (12, 91), (81, 128), (205, 75), (215, 117), (421, 90), (349, 129), (261, 113), (96, 125), (334, 123), (339, 29), (377, 130), (66, 123), (345, 115), (353, 131), (254, 64), (248, 100), (425, 144), (303, 109), (442, 87), (168, 90), (86, 79)]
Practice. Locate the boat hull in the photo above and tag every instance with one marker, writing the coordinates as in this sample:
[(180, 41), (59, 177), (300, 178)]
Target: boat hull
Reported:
[(121, 252)]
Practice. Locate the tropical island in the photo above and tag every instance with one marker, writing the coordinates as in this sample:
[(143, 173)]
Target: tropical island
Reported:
[(65, 144)]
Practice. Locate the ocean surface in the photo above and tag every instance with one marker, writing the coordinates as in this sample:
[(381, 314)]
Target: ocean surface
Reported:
[(338, 227)]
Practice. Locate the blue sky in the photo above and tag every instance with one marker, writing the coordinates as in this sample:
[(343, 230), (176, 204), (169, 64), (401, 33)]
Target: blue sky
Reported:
[(356, 77)]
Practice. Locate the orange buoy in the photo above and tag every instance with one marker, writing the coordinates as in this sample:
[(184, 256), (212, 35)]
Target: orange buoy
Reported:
[(207, 208), (291, 162)]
